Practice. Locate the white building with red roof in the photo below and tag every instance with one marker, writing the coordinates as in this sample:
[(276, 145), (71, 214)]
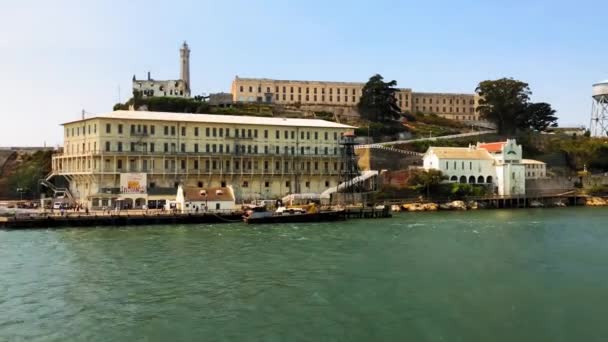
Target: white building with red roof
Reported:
[(499, 164)]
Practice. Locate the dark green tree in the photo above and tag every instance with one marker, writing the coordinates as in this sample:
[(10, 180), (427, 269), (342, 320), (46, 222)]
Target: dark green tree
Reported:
[(378, 102), (504, 103), (539, 116), (426, 180)]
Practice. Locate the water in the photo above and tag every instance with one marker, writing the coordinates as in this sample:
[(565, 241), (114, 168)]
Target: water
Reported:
[(533, 275)]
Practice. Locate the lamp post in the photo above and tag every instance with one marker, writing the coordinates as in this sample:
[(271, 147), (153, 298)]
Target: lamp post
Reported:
[(20, 191)]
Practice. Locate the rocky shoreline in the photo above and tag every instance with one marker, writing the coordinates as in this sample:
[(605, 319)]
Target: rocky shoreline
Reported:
[(474, 205)]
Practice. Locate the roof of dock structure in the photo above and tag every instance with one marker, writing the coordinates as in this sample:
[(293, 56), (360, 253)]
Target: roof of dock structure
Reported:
[(215, 118)]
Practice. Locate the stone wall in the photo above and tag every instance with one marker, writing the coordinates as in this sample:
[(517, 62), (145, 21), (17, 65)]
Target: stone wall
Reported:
[(549, 186), (385, 159)]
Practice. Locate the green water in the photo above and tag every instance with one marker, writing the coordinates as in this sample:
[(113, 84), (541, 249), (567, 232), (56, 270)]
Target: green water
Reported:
[(521, 275)]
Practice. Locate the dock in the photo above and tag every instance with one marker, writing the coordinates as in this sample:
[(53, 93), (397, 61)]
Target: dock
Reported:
[(139, 218)]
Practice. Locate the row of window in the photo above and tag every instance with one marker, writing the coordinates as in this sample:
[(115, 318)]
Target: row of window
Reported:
[(424, 100), (338, 91), (86, 129), (227, 165), (443, 109), (213, 148), (315, 98), (462, 164), (219, 132)]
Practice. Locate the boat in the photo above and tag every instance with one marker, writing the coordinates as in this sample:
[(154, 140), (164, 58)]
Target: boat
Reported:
[(292, 215)]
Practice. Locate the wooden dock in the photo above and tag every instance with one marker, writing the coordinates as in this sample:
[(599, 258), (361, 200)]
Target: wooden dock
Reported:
[(42, 221)]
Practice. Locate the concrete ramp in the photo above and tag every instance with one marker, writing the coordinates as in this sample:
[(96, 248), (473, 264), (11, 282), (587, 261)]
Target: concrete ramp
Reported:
[(365, 175)]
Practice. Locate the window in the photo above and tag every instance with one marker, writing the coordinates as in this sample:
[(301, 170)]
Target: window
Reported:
[(152, 147), (119, 128), (316, 135), (447, 165), (245, 184), (183, 164), (183, 131), (335, 135), (293, 135), (119, 164), (307, 184), (214, 132), (132, 129), (183, 147), (195, 148), (166, 130), (207, 131), (172, 130), (108, 128), (132, 147), (287, 184), (265, 134), (166, 148), (196, 131), (107, 146)]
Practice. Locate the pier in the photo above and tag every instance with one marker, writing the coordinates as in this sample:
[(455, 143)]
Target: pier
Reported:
[(140, 218)]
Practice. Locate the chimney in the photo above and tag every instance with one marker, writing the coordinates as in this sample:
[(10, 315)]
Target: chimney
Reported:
[(149, 79), (83, 114)]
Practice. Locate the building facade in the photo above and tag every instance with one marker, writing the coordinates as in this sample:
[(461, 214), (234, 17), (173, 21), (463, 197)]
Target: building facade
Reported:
[(140, 157), (460, 107), (499, 164), (171, 88)]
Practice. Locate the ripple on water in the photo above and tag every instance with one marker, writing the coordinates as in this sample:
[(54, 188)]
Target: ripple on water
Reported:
[(357, 280)]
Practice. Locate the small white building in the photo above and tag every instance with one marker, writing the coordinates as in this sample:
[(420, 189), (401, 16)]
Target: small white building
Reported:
[(208, 199), (499, 164), (535, 169)]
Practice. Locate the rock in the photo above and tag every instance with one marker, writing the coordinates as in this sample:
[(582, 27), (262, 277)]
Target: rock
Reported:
[(419, 207), (395, 208), (472, 205), (454, 205), (596, 202), (536, 204), (559, 204)]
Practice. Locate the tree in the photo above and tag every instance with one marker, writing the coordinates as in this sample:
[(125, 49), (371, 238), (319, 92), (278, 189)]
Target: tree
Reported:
[(504, 103), (539, 117), (426, 179), (378, 102)]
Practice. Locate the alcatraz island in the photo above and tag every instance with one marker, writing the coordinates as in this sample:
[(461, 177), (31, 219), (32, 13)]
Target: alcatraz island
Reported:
[(299, 144)]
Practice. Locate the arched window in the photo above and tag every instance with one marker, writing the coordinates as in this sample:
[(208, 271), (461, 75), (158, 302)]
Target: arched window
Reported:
[(480, 179), (472, 180), (489, 179), (463, 179), (454, 179)]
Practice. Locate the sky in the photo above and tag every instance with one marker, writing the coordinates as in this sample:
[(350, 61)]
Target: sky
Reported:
[(60, 57)]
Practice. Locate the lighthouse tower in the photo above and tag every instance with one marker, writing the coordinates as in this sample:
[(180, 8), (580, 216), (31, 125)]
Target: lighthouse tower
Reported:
[(184, 53)]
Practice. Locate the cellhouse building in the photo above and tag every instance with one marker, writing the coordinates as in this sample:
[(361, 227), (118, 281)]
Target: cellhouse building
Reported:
[(140, 157)]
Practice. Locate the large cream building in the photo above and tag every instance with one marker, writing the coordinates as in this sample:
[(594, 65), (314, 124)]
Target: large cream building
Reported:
[(140, 157), (288, 92)]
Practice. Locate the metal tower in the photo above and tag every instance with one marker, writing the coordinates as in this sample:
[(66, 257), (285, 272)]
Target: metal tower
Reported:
[(599, 110), (350, 169)]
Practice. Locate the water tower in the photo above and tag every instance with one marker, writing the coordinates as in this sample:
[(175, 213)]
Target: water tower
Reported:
[(599, 110)]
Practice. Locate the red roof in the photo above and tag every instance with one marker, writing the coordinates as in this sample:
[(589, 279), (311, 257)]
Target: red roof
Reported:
[(493, 147)]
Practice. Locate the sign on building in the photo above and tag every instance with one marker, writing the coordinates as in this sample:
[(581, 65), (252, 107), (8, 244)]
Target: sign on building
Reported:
[(133, 183)]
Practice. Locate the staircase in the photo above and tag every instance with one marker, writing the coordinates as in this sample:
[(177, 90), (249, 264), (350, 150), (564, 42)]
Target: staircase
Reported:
[(57, 192)]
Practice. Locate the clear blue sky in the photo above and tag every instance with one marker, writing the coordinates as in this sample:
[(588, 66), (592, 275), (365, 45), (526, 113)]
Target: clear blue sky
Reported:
[(58, 57)]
